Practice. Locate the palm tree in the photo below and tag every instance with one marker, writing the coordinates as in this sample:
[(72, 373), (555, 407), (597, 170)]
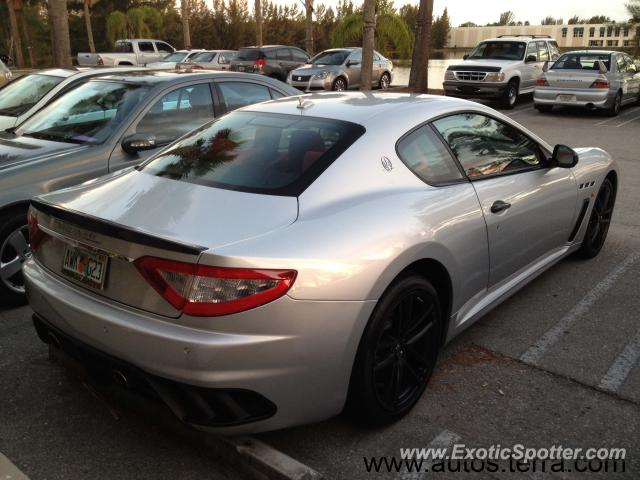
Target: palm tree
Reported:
[(368, 43), (418, 78), (59, 25), (308, 32), (184, 13), (15, 33), (633, 7), (258, 13), (392, 33), (25, 30), (117, 26), (87, 22)]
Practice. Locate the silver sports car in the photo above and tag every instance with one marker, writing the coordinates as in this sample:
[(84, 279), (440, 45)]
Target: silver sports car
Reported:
[(306, 254), (604, 80)]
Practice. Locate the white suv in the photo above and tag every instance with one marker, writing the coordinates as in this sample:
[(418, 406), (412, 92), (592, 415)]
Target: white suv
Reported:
[(501, 68)]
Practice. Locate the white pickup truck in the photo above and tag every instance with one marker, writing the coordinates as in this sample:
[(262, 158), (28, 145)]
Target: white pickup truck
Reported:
[(130, 52)]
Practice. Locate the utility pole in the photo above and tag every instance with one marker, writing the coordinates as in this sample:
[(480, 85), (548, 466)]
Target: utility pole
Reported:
[(368, 43), (258, 13)]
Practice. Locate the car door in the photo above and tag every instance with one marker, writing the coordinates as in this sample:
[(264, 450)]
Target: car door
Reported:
[(147, 53), (172, 113), (353, 66), (634, 76), (625, 75), (377, 69), (528, 205), (529, 67)]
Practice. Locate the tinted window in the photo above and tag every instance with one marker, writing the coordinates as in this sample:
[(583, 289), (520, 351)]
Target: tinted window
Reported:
[(146, 47), (269, 54), (276, 94), (532, 50), (330, 57), (163, 47), (425, 155), (543, 53), (499, 50), (485, 146), (249, 54), (123, 47), (239, 94), (299, 55), (256, 152), (178, 112), (203, 57), (283, 54), (87, 114), (581, 61), (24, 92)]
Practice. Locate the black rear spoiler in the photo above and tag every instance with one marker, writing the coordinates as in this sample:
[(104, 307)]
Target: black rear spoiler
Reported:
[(114, 230)]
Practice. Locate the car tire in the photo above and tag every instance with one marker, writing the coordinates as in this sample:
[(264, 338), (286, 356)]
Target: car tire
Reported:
[(339, 84), (14, 247), (544, 108), (385, 81), (510, 95), (617, 105), (396, 358), (599, 221)]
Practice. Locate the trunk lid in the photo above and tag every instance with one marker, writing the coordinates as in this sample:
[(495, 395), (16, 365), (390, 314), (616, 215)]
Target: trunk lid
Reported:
[(573, 78), (136, 214)]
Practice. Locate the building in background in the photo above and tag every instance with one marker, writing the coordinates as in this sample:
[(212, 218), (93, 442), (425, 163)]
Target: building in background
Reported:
[(568, 36)]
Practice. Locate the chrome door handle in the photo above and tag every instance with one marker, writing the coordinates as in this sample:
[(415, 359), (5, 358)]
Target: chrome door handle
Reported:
[(498, 206)]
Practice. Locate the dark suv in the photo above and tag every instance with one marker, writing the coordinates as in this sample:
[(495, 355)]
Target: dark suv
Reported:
[(272, 60)]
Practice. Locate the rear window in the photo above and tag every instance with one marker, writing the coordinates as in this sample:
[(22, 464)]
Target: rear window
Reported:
[(582, 61), (256, 152), (251, 54)]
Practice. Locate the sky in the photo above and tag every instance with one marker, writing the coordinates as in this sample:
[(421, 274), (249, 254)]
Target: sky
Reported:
[(486, 11)]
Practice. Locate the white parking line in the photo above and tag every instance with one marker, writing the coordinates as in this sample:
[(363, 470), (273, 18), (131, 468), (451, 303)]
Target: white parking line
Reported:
[(8, 471), (536, 351), (623, 114), (618, 372), (628, 121)]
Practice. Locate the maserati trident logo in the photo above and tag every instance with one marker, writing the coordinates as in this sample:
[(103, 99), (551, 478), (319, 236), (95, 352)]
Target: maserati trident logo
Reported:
[(386, 163)]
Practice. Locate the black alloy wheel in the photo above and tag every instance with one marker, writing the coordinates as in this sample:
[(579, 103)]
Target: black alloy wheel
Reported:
[(599, 221)]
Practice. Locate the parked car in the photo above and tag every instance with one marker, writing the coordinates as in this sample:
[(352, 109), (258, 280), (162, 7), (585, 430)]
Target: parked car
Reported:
[(210, 60), (339, 69), (604, 80), (5, 74), (101, 126), (501, 68), (132, 52), (170, 61), (272, 60), (31, 92), (303, 254)]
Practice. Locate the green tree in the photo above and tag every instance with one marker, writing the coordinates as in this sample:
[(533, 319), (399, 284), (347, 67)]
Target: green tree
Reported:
[(440, 31), (506, 18), (468, 24)]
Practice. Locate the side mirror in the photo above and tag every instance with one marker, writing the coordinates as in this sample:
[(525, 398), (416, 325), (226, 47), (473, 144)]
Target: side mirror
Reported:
[(465, 56), (564, 156), (353, 63), (545, 67), (139, 142), (531, 58)]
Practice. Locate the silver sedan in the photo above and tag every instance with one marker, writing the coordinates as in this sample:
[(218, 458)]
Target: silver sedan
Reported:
[(604, 80), (339, 69), (304, 254)]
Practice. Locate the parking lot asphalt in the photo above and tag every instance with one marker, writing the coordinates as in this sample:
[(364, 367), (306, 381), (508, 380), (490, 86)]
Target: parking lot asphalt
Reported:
[(558, 363)]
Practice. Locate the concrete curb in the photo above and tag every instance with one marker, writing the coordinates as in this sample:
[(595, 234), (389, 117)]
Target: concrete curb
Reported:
[(269, 461), (8, 471)]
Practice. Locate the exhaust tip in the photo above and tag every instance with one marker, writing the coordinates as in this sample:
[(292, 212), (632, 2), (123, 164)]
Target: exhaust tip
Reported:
[(120, 378)]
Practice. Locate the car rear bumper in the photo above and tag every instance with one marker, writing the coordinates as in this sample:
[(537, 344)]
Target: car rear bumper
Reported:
[(473, 89), (589, 98), (294, 355)]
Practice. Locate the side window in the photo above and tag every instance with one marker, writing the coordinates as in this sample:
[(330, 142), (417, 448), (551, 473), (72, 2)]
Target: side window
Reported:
[(284, 54), (178, 112), (269, 54), (276, 94), (425, 155), (356, 56), (484, 146), (146, 47), (631, 66), (554, 50), (164, 47), (376, 57), (239, 94), (224, 58), (532, 49), (622, 65), (543, 53), (299, 55)]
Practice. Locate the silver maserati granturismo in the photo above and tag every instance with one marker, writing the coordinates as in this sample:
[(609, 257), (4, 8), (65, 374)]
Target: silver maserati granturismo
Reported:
[(306, 255)]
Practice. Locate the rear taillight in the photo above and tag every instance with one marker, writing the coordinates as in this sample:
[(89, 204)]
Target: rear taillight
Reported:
[(542, 82), (260, 63), (205, 291), (100, 60), (600, 84), (36, 236)]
